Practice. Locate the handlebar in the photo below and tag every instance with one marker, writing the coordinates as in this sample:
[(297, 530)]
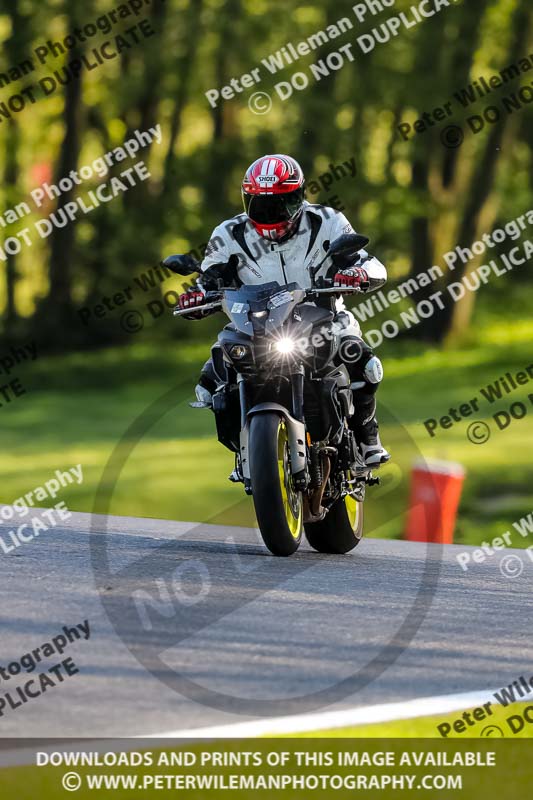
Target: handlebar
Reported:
[(216, 304), (178, 312), (335, 290)]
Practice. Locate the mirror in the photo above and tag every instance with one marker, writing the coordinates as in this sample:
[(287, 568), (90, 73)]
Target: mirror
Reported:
[(343, 252), (348, 245), (181, 265)]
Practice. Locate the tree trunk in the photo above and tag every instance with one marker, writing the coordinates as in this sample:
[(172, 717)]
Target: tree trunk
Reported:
[(184, 70), (456, 317), (18, 42), (59, 297), (11, 177)]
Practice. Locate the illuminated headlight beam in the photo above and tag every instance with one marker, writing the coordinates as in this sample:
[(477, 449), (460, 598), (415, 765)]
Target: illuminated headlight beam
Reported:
[(285, 345)]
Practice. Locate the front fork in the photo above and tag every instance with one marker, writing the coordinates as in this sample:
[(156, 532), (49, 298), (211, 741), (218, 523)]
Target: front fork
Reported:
[(297, 386), (244, 435)]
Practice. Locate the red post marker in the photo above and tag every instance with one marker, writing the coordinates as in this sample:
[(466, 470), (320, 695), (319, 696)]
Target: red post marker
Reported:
[(435, 493)]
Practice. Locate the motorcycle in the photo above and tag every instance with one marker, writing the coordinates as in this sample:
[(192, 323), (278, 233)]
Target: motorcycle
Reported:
[(282, 404)]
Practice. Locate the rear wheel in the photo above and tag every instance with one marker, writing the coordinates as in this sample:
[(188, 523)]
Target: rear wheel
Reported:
[(341, 529), (277, 506)]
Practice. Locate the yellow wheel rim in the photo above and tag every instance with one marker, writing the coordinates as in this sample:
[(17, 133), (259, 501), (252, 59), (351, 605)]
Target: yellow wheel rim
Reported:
[(352, 509), (292, 502)]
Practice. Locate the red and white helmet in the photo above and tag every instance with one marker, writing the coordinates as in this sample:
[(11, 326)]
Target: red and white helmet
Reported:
[(273, 192)]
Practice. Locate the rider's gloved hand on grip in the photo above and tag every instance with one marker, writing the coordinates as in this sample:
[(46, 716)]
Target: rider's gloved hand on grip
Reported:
[(192, 299), (356, 278)]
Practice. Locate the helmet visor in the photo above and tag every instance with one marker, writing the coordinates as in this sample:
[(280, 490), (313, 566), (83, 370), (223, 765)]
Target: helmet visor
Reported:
[(270, 209)]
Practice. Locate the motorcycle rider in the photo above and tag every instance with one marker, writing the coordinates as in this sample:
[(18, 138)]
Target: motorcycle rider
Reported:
[(280, 237)]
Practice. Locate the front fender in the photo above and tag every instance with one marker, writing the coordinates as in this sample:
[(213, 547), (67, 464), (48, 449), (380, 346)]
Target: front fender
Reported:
[(296, 434)]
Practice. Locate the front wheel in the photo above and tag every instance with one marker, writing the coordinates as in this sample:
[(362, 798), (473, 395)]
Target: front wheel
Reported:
[(341, 529), (277, 506)]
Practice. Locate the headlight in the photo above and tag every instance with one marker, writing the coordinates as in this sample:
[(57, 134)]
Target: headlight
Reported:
[(259, 314), (238, 351), (285, 345)]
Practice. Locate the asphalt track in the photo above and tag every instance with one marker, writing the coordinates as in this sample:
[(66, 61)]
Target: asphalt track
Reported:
[(262, 633)]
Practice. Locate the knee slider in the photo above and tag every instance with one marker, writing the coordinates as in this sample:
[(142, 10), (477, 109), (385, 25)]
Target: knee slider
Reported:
[(373, 370)]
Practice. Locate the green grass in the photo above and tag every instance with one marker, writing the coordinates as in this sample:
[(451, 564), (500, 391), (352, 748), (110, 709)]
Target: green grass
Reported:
[(79, 406)]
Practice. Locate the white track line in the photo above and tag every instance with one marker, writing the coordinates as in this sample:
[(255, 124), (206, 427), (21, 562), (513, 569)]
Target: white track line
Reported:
[(329, 720), (302, 723)]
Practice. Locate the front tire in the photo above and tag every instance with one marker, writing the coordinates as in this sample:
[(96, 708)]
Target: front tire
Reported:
[(277, 506), (341, 529)]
